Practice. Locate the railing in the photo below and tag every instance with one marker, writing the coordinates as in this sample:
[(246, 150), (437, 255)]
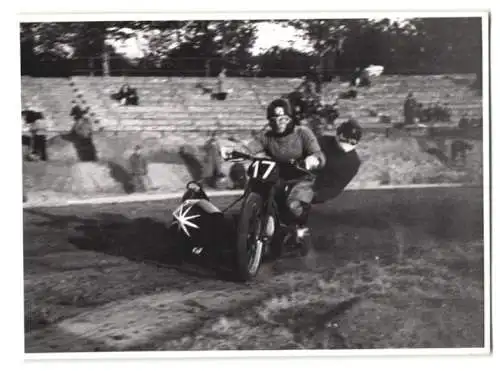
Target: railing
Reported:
[(206, 67)]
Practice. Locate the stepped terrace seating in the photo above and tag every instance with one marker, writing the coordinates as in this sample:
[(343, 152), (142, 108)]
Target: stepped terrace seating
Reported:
[(386, 96), (53, 97), (173, 104)]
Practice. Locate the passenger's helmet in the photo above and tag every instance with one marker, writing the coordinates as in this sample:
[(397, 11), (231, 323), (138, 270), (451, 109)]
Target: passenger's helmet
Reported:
[(349, 134), (280, 116)]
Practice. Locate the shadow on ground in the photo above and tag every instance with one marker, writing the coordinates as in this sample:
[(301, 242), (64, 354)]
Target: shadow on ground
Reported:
[(192, 162), (121, 175), (84, 147), (136, 239), (139, 239)]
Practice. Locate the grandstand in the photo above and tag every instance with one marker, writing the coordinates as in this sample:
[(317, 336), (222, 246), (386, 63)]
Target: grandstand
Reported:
[(175, 104), (173, 112)]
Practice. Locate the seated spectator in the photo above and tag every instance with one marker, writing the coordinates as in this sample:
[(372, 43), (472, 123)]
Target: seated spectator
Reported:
[(476, 122), (350, 94), (434, 113), (203, 88), (127, 96)]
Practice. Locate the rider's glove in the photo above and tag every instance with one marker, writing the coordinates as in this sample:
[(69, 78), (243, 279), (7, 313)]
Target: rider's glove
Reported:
[(312, 162), (226, 153)]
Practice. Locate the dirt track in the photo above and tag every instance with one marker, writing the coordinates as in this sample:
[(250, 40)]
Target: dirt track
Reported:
[(392, 269)]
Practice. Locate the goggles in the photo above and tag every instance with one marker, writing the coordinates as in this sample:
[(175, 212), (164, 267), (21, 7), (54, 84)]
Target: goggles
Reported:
[(282, 120)]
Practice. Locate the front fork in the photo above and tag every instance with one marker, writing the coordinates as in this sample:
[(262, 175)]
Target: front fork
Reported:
[(269, 221)]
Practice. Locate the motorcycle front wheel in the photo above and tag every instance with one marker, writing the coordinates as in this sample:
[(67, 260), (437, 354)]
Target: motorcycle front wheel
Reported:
[(249, 241)]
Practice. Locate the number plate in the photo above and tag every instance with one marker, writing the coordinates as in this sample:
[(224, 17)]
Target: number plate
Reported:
[(264, 170)]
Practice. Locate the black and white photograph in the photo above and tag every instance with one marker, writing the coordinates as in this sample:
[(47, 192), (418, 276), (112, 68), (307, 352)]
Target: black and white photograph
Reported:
[(255, 183)]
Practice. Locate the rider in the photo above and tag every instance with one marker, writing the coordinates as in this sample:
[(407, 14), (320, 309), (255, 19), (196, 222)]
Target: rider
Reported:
[(287, 141), (343, 161)]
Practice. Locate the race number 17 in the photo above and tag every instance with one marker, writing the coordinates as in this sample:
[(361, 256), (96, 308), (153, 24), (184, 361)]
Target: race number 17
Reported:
[(257, 166)]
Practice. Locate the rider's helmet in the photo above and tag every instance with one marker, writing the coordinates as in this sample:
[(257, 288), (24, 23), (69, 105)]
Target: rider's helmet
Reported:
[(281, 116), (298, 103), (349, 134)]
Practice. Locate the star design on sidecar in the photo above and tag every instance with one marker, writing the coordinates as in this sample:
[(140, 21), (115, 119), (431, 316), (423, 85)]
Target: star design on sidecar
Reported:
[(183, 219)]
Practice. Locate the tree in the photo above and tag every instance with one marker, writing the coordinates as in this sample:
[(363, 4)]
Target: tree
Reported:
[(344, 44), (451, 44), (224, 43), (284, 62), (229, 40)]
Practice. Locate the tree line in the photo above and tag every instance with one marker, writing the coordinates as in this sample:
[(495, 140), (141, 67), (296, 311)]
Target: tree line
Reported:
[(198, 48)]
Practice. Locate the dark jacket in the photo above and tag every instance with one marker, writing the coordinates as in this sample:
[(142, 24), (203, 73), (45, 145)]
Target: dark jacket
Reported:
[(138, 164), (410, 107), (77, 112), (341, 167)]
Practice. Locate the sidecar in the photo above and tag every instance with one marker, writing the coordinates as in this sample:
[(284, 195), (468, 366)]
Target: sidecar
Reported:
[(200, 232)]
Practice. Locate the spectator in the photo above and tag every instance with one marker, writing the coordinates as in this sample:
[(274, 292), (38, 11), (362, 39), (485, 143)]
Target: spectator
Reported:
[(349, 94), (83, 127), (360, 77), (464, 122), (434, 112), (443, 112), (299, 104), (25, 197), (238, 176), (212, 169), (311, 84), (459, 149), (221, 79), (77, 112), (410, 109), (127, 96), (221, 91), (356, 77), (364, 79), (37, 139), (331, 113), (139, 170), (476, 122)]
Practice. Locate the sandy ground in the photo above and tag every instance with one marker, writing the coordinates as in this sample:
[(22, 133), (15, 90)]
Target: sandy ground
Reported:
[(391, 269)]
